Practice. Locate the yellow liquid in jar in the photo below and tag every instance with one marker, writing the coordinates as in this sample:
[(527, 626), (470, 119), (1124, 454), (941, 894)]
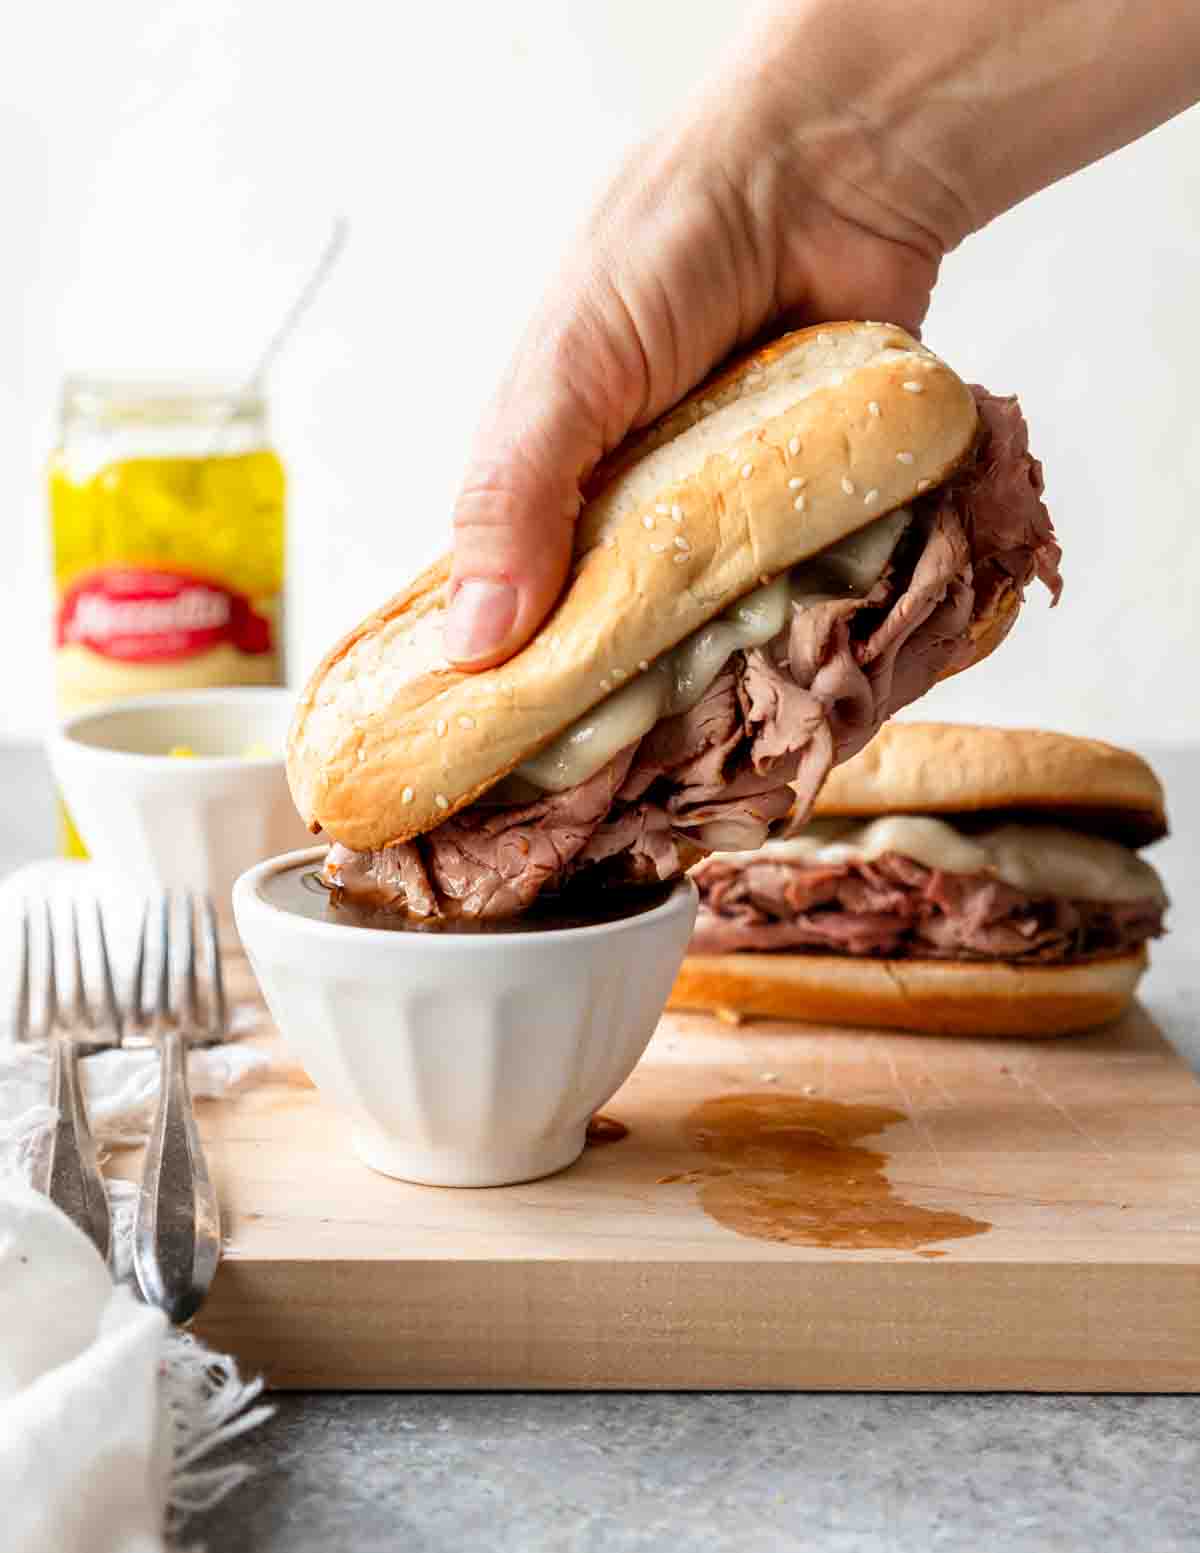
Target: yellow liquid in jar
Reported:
[(215, 520), (223, 517)]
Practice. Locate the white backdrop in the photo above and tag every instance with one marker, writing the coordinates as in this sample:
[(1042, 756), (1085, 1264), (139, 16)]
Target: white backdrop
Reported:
[(170, 169)]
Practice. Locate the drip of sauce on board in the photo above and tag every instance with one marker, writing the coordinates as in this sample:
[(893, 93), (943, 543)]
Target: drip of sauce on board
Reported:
[(791, 1169), (605, 1129)]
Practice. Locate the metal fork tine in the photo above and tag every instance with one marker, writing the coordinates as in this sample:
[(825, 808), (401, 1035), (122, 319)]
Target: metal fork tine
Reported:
[(137, 990), (81, 1017), (163, 1004), (191, 994), (50, 984), (21, 1009), (66, 1168), (218, 1018), (112, 1011)]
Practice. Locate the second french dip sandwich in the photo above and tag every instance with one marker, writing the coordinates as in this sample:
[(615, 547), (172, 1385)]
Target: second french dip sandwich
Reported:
[(762, 577), (953, 879)]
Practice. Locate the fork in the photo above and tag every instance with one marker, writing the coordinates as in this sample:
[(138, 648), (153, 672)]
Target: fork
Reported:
[(177, 1231), (66, 1168)]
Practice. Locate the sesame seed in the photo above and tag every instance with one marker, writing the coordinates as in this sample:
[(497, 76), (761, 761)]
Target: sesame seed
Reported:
[(647, 521), (658, 548), (904, 458), (643, 664), (440, 726), (823, 338), (681, 543), (407, 795), (610, 543), (619, 675), (747, 471), (847, 485), (911, 387), (764, 578), (923, 485), (873, 406), (793, 445), (797, 483), (445, 695), (871, 496), (441, 800), (604, 685), (662, 509), (681, 559), (677, 512), (361, 753), (466, 722), (838, 379), (800, 503)]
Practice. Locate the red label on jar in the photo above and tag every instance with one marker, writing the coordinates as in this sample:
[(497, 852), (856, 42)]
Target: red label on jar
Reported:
[(140, 616)]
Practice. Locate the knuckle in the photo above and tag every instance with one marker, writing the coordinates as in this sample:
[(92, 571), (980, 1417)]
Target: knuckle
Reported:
[(513, 495)]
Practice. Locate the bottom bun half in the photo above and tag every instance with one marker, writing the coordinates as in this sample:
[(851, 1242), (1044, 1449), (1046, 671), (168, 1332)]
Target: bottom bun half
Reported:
[(933, 997)]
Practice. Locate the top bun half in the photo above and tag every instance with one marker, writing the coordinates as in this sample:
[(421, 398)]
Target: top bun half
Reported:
[(684, 518), (955, 768)]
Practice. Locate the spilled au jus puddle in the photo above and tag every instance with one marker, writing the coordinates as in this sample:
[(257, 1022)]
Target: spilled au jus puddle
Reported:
[(791, 1169)]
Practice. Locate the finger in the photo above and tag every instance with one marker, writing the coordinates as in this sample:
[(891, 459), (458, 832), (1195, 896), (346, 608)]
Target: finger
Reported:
[(661, 296), (513, 526), (573, 393)]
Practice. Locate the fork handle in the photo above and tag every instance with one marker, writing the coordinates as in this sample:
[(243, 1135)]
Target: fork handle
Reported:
[(177, 1230), (67, 1170)]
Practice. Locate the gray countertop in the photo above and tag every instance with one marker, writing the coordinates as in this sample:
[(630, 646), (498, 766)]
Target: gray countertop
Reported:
[(345, 1473)]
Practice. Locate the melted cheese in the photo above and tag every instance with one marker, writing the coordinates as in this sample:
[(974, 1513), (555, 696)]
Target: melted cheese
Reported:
[(678, 679), (1039, 859)]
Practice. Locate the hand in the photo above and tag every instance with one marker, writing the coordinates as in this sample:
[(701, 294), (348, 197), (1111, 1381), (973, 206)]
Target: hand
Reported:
[(847, 146)]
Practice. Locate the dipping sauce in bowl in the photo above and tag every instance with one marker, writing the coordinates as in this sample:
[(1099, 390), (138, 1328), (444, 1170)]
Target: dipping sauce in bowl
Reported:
[(469, 1057), (308, 893)]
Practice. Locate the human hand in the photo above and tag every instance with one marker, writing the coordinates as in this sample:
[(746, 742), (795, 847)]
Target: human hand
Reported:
[(822, 174)]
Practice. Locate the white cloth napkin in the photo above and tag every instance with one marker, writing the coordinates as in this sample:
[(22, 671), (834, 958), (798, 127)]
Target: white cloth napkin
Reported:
[(105, 1412)]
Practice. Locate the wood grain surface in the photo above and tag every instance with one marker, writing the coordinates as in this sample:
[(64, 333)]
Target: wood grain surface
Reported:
[(791, 1208)]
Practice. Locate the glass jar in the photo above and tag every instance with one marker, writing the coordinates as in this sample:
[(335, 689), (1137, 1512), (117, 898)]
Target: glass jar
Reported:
[(167, 530)]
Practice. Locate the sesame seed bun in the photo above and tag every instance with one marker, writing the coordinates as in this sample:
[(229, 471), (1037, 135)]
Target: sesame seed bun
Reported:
[(956, 768), (388, 740), (932, 997)]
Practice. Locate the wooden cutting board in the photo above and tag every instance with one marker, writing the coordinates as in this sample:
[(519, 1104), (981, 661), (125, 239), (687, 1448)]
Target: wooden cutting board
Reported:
[(791, 1208)]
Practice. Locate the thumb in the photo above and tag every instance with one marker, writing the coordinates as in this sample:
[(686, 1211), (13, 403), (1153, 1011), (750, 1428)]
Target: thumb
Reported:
[(572, 393), (513, 524)]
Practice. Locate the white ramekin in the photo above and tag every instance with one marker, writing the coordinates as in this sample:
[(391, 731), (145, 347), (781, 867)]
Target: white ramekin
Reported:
[(193, 822), (464, 1059)]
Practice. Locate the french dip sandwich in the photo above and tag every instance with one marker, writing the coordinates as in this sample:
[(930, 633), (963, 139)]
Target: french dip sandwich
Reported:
[(760, 578), (953, 880)]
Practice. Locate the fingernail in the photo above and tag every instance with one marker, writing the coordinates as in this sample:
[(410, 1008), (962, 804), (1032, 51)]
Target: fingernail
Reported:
[(479, 619)]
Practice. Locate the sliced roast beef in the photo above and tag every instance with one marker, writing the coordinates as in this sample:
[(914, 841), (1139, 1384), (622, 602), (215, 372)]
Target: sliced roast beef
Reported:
[(764, 737), (896, 908)]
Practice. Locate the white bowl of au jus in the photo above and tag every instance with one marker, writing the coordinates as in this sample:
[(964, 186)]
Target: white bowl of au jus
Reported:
[(183, 790), (462, 1058)]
